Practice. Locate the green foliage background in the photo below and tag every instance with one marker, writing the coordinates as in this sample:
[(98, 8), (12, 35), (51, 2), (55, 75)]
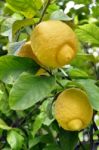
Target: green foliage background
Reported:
[(26, 101)]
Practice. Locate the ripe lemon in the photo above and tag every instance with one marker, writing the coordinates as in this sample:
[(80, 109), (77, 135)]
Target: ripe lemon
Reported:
[(73, 110), (26, 51), (54, 43)]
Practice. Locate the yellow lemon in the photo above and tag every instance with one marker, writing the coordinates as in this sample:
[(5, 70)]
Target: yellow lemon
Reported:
[(26, 51), (73, 110), (54, 43)]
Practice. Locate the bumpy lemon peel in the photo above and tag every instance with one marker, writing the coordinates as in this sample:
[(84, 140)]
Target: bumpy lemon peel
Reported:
[(73, 110), (54, 43)]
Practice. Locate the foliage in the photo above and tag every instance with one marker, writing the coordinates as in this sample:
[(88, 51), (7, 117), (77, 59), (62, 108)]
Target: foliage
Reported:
[(27, 101)]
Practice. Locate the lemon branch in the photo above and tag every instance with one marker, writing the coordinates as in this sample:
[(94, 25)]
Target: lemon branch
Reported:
[(44, 10)]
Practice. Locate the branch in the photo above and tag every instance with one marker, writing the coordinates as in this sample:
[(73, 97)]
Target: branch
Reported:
[(91, 137), (44, 10)]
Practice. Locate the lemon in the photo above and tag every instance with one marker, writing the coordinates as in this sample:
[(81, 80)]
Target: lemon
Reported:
[(73, 110), (54, 43), (26, 51)]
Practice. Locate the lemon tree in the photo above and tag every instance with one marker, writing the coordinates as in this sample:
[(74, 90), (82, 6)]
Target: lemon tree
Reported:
[(49, 75)]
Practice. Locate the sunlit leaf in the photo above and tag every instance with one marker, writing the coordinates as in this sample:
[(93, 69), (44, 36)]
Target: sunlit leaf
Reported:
[(59, 15), (88, 33), (15, 140), (12, 66), (28, 90), (3, 125), (29, 9), (92, 91)]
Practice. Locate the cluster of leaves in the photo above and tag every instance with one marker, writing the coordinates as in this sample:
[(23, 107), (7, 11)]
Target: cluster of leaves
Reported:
[(26, 101)]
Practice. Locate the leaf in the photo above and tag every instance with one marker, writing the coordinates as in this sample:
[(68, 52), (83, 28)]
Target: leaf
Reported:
[(59, 15), (28, 90), (75, 73), (92, 91), (82, 1), (12, 66), (52, 7), (6, 27), (4, 106), (15, 140), (1, 94), (42, 117), (52, 147), (88, 33), (3, 125), (6, 148), (68, 139), (38, 122), (29, 9), (40, 139), (21, 23), (13, 47), (95, 11)]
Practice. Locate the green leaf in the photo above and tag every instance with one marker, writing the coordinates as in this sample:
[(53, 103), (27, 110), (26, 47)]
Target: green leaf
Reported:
[(95, 11), (21, 23), (88, 33), (40, 139), (28, 90), (52, 147), (82, 1), (38, 122), (4, 106), (52, 7), (1, 94), (59, 15), (12, 66), (77, 73), (68, 139), (92, 91), (6, 148), (6, 26), (29, 9), (3, 125), (15, 140), (42, 118)]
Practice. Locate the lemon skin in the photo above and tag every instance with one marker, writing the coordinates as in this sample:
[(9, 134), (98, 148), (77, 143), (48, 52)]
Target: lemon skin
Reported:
[(54, 43), (72, 109)]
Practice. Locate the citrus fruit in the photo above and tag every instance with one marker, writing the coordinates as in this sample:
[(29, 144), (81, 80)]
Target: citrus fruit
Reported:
[(26, 51), (73, 110), (54, 43)]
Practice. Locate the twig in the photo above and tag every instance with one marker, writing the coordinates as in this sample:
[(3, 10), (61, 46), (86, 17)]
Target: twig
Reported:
[(81, 145), (91, 137), (63, 72), (44, 10), (95, 128)]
